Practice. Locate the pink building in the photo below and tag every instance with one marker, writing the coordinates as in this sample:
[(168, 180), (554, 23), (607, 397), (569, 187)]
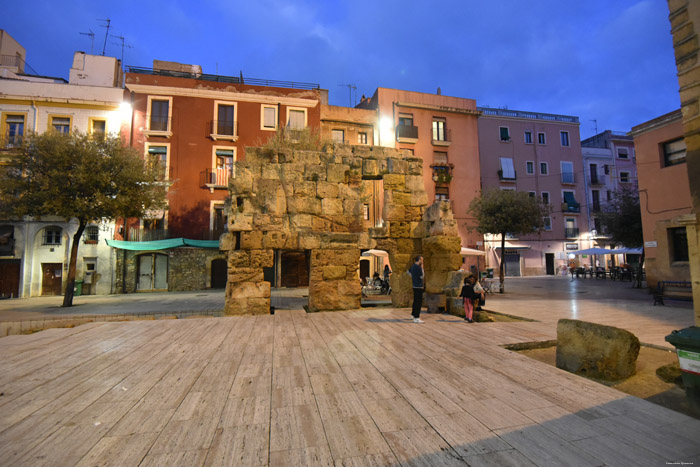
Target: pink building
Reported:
[(540, 154), (442, 130), (664, 195)]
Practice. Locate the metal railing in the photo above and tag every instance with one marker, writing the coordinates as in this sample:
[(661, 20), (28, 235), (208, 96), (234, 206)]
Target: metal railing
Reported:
[(571, 232), (158, 122), (597, 180), (224, 79), (529, 115), (10, 142), (407, 131), (442, 136), (568, 178), (16, 61), (215, 177), (571, 208), (224, 128), (147, 235)]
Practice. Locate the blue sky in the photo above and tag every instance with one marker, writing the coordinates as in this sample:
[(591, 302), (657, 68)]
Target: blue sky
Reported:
[(608, 60)]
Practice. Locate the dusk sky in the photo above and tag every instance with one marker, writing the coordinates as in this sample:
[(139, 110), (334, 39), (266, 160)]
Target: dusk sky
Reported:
[(605, 60)]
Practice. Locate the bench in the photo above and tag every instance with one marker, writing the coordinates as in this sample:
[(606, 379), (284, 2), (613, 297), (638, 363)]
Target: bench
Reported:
[(673, 290)]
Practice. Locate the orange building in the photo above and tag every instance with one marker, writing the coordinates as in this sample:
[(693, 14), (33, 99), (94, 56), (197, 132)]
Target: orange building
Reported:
[(664, 196)]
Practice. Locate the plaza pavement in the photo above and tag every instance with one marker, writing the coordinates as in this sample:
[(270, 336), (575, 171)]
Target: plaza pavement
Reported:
[(364, 387)]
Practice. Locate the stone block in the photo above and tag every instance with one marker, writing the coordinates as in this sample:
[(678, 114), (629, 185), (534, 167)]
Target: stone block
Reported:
[(300, 221), (251, 240), (393, 212), (394, 182), (307, 157), (305, 188), (334, 295), (337, 173), (596, 350), (370, 169), (415, 166), (397, 166), (261, 258), (309, 241), (327, 190), (330, 273), (240, 222), (415, 183), (399, 229), (303, 205), (242, 183), (331, 206), (244, 274), (315, 173), (401, 199), (271, 171), (274, 240), (227, 242), (441, 245), (292, 173), (419, 198)]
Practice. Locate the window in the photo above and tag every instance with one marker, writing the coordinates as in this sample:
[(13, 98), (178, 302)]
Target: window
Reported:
[(504, 133), (219, 219), (528, 137), (544, 168), (296, 118), (564, 135), (624, 177), (159, 118), (532, 194), (268, 117), (439, 132), (405, 119), (678, 243), (442, 193), (570, 204), (60, 124), (567, 172), (622, 153), (596, 201), (98, 126), (225, 124), (606, 169), (570, 229), (365, 212), (92, 234), (545, 197), (158, 154), (541, 138), (674, 152), (507, 171), (13, 129), (338, 136), (547, 221), (530, 167), (52, 236), (362, 138), (439, 158)]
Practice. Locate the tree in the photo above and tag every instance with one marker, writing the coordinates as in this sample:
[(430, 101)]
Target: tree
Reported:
[(503, 212), (78, 176), (622, 222)]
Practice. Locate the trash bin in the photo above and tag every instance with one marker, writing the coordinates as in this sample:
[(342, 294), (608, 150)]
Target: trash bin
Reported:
[(687, 343), (489, 273), (78, 290)]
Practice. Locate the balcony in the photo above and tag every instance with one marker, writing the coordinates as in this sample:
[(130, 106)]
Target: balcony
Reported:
[(407, 134), (570, 208), (223, 130), (148, 235), (158, 125), (506, 178), (597, 180), (571, 232), (212, 234), (442, 173), (568, 178), (442, 137), (215, 178)]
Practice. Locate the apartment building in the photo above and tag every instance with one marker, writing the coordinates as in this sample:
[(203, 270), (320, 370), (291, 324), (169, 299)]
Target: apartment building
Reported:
[(540, 154), (34, 253), (609, 163), (442, 130), (196, 125), (664, 195)]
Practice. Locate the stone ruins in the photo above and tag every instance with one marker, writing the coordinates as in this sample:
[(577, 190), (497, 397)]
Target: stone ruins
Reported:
[(309, 200)]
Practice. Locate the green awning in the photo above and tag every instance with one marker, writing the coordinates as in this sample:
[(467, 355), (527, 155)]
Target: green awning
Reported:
[(157, 150), (569, 199), (162, 244)]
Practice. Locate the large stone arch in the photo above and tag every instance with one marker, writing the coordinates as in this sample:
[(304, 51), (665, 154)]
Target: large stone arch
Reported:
[(310, 200)]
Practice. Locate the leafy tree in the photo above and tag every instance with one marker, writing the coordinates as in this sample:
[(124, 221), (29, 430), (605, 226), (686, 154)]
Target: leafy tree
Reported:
[(622, 221), (78, 176), (502, 212)]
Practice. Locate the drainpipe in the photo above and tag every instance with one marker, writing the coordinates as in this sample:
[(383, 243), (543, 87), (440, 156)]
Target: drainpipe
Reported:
[(36, 113)]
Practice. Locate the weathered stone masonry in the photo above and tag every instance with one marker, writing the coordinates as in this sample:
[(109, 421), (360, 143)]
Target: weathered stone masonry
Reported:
[(308, 200)]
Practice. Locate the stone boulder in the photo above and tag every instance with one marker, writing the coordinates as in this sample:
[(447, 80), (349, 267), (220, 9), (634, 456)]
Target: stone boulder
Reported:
[(595, 350)]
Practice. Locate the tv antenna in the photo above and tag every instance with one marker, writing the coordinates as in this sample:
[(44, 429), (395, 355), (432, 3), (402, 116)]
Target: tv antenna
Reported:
[(108, 22), (122, 44), (350, 87), (596, 126), (92, 39)]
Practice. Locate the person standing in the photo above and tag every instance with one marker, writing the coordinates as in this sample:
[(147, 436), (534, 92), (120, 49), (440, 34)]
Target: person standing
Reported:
[(468, 296), (387, 272), (418, 279)]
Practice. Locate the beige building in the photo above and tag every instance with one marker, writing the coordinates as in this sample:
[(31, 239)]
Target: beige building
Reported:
[(664, 195)]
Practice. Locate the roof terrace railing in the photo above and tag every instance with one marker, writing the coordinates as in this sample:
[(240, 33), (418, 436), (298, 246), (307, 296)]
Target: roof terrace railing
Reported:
[(529, 115), (223, 79)]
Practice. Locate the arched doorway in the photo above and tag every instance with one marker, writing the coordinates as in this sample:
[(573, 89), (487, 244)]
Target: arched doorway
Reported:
[(219, 274), (152, 272)]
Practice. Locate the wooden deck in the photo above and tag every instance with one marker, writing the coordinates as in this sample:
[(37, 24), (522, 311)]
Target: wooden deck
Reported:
[(348, 388)]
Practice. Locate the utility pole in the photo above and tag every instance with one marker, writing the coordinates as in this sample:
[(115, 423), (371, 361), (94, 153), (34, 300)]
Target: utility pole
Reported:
[(92, 39), (350, 89), (108, 22)]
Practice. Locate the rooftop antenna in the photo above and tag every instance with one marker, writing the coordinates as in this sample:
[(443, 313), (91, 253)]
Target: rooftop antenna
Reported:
[(596, 126), (108, 22), (350, 89), (92, 39), (123, 44)]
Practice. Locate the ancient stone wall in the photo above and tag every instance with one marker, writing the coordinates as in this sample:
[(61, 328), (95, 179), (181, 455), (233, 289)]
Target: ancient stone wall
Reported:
[(307, 200)]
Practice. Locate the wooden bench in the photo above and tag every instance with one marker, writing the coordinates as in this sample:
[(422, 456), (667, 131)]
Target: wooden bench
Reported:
[(673, 290)]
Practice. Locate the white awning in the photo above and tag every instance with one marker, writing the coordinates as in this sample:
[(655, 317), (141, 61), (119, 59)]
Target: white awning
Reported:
[(471, 252), (513, 246)]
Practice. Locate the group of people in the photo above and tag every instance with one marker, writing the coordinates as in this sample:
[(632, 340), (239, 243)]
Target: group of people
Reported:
[(471, 292)]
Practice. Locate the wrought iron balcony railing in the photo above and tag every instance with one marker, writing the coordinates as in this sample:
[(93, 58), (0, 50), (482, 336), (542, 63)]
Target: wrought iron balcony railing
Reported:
[(407, 131), (215, 178), (571, 232)]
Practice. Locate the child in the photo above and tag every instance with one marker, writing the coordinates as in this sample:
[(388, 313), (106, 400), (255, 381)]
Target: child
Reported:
[(468, 295)]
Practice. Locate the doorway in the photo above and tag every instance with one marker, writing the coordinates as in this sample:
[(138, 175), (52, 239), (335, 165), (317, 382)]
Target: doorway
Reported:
[(219, 274), (153, 272), (9, 278), (549, 263), (512, 264), (294, 269), (51, 277)]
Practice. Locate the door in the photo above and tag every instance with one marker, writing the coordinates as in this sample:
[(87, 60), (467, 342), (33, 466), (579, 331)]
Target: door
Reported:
[(145, 273), (219, 274), (51, 276), (295, 269), (364, 269), (512, 264), (549, 263), (9, 278), (153, 272)]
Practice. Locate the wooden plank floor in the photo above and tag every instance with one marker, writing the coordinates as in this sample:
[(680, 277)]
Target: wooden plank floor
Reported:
[(366, 387)]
